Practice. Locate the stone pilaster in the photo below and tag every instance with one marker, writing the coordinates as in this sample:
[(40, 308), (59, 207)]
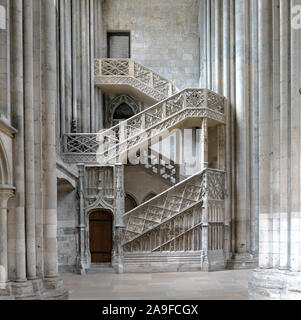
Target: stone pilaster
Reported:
[(119, 211)]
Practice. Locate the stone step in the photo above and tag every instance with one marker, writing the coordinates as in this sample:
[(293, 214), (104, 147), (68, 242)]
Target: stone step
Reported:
[(101, 268)]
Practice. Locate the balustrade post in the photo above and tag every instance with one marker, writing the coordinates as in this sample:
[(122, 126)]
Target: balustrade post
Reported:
[(122, 158), (164, 111), (131, 68), (100, 67), (170, 89), (151, 79), (143, 121), (204, 144), (184, 100)]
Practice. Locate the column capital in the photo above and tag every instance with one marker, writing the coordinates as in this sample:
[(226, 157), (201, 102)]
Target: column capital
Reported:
[(6, 192)]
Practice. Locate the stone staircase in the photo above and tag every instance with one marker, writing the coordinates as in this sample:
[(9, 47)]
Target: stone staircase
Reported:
[(180, 199), (118, 143), (186, 224), (127, 72)]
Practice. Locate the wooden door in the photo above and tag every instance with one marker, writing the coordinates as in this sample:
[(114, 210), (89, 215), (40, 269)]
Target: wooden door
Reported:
[(101, 238)]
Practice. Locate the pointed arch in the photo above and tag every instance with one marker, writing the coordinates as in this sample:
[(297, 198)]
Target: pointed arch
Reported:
[(149, 196), (130, 202), (121, 103)]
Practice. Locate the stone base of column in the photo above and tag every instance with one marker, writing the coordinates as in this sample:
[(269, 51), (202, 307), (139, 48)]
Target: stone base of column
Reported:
[(54, 289), (118, 264), (23, 291), (212, 260), (273, 284), (47, 289), (5, 291), (241, 261), (81, 267)]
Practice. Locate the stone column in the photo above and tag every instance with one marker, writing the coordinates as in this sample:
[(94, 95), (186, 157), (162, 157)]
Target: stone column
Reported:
[(5, 194), (49, 139), (226, 85), (217, 46), (284, 136), (265, 127), (202, 22), (81, 261), (205, 230), (74, 124), (18, 122), (119, 211), (278, 275), (29, 141), (204, 144), (242, 257), (254, 125)]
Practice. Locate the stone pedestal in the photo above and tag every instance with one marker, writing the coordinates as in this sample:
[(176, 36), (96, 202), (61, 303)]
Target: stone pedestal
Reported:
[(38, 289), (5, 291), (273, 284), (54, 289)]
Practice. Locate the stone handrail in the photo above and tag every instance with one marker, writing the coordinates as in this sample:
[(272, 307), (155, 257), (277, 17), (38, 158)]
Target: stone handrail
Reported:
[(130, 68), (208, 184)]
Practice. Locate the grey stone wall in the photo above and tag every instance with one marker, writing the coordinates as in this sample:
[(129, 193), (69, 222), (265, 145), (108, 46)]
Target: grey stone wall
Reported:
[(67, 227), (139, 183), (164, 35)]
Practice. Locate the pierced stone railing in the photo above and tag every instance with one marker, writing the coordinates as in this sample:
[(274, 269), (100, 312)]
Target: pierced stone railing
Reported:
[(160, 165), (164, 222), (129, 72), (111, 145)]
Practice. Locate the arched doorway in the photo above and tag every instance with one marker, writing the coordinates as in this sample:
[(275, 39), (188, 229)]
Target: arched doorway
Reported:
[(101, 236)]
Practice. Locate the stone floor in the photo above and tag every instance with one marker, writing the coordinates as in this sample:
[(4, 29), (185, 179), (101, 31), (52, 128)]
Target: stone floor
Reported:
[(225, 285)]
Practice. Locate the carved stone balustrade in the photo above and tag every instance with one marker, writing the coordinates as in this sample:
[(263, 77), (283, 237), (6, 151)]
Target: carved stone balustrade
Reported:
[(111, 73), (189, 217), (112, 145)]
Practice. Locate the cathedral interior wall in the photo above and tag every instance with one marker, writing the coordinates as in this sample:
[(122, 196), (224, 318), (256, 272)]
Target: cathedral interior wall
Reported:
[(164, 35), (139, 184), (68, 208)]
